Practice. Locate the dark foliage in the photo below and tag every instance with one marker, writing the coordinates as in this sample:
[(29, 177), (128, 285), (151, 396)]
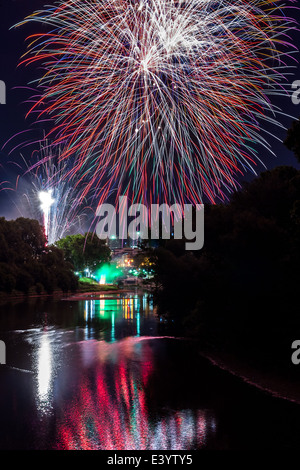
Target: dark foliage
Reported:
[(243, 286), (293, 139), (27, 263), (84, 251)]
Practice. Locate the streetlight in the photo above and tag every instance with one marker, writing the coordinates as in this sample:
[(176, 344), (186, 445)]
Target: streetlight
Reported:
[(46, 200)]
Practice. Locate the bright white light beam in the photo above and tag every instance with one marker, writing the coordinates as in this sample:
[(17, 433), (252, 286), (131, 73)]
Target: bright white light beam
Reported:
[(46, 200)]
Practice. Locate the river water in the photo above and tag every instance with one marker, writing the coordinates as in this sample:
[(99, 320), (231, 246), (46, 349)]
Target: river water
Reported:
[(97, 372)]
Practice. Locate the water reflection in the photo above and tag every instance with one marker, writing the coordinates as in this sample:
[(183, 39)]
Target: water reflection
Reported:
[(112, 407), (44, 369), (97, 381), (49, 345), (118, 311), (92, 373), (104, 319)]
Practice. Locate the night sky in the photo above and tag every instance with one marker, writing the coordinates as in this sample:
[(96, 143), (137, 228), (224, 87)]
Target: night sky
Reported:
[(12, 115)]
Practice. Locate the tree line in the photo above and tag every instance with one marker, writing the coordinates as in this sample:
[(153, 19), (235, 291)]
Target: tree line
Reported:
[(27, 264), (241, 291)]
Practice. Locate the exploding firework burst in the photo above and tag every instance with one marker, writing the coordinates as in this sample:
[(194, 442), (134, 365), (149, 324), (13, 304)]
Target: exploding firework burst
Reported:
[(161, 99), (51, 197)]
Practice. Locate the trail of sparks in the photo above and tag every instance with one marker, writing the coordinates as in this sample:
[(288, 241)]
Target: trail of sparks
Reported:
[(49, 175)]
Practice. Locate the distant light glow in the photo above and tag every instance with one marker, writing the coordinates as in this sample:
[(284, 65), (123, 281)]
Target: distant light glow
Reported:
[(46, 200), (108, 273)]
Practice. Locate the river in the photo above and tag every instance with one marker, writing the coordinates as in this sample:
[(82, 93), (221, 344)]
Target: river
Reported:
[(96, 372)]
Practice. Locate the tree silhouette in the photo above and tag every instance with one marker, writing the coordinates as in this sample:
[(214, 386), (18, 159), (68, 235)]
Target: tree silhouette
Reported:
[(242, 287), (293, 139), (27, 263)]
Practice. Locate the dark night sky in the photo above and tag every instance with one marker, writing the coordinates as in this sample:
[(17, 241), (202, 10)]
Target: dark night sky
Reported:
[(12, 115)]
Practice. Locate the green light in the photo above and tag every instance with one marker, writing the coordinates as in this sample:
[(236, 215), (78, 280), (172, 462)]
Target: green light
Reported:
[(108, 272)]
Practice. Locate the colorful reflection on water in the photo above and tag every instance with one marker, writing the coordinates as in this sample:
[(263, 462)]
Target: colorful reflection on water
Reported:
[(112, 406), (97, 373), (128, 308), (92, 368)]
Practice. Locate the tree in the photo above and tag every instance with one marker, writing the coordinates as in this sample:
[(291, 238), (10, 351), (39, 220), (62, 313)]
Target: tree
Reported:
[(242, 287), (27, 263), (293, 139), (22, 240), (84, 251)]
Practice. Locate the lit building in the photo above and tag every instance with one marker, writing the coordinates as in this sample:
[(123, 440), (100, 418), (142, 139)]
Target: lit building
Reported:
[(114, 243)]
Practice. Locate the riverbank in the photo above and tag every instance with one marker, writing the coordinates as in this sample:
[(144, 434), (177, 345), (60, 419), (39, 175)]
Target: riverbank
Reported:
[(81, 294), (268, 370), (95, 294), (280, 384), (17, 296), (275, 381)]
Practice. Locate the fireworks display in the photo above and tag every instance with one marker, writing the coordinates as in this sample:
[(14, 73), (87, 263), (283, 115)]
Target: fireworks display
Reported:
[(160, 99), (49, 194)]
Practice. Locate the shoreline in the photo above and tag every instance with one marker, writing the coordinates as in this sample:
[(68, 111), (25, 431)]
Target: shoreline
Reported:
[(20, 297), (278, 386)]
